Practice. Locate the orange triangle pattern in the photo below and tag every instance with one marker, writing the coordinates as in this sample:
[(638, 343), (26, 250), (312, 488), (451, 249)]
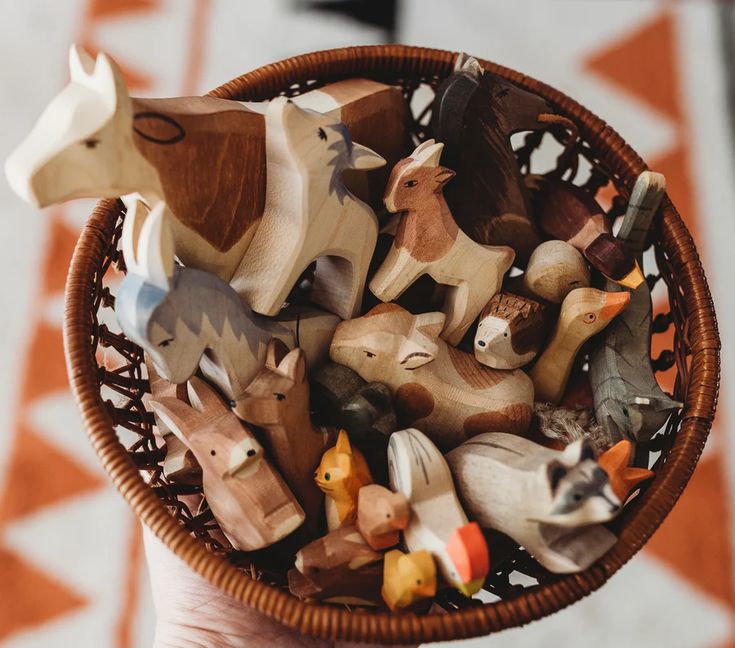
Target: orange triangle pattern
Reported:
[(45, 370), (58, 254), (102, 9)]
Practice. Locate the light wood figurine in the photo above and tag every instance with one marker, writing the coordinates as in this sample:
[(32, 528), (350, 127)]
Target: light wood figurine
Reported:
[(408, 577), (554, 270), (584, 312), (442, 390), (438, 523), (381, 514), (428, 241), (248, 498), (342, 472), (552, 503)]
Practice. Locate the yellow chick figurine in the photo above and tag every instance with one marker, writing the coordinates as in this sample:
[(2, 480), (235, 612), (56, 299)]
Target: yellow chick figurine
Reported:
[(408, 577)]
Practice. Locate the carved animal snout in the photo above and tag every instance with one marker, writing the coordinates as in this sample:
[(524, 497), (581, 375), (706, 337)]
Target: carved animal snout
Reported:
[(244, 458)]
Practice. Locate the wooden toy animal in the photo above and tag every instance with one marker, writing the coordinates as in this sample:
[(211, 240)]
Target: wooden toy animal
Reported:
[(584, 312), (248, 498), (309, 215), (341, 474), (444, 391), (381, 514), (550, 502), (354, 587), (510, 332), (629, 403), (277, 401), (623, 477), (570, 213), (554, 269), (408, 578), (438, 523), (204, 156), (428, 241), (474, 114), (186, 318)]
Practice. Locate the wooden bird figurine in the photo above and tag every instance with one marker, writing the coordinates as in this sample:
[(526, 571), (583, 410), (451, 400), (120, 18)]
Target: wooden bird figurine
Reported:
[(205, 157), (623, 477), (342, 472), (444, 391), (438, 523), (309, 215), (408, 577), (584, 312), (554, 270), (569, 213), (552, 503), (381, 514), (475, 113), (428, 241), (628, 401), (510, 332), (277, 402), (248, 498)]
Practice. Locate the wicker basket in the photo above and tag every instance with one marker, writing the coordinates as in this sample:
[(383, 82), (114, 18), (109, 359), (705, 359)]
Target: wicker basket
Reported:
[(103, 366)]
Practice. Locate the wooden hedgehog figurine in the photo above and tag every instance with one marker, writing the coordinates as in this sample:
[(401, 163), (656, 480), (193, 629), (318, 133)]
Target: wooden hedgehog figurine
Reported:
[(510, 332)]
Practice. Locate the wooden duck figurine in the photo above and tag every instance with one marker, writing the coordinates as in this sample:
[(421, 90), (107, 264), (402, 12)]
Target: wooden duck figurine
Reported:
[(584, 312), (342, 472), (381, 514), (407, 578)]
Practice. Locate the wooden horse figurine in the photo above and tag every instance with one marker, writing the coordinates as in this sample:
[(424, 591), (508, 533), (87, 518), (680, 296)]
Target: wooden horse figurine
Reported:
[(204, 156), (248, 498), (584, 312), (428, 241), (341, 474), (277, 401), (629, 403), (474, 113), (442, 390), (550, 502), (408, 578), (554, 269), (309, 215), (438, 523), (186, 318), (381, 514)]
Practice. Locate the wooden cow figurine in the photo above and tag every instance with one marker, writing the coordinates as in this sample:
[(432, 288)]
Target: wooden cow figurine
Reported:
[(623, 477), (186, 318), (408, 578), (474, 113), (381, 514), (551, 503), (277, 401), (309, 215), (570, 213), (248, 498), (428, 241), (204, 156), (341, 474), (629, 403), (554, 270), (584, 312), (438, 523), (510, 332), (444, 391)]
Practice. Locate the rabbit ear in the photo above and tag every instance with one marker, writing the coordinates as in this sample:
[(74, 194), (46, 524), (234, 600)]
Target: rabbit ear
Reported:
[(177, 416), (155, 255), (204, 398), (135, 216), (293, 365)]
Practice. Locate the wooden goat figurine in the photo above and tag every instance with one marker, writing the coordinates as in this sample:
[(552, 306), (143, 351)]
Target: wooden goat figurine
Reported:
[(341, 474), (408, 578), (629, 403), (309, 215), (428, 241), (177, 313), (381, 514), (248, 498), (438, 523), (584, 312), (204, 156), (550, 502), (444, 391)]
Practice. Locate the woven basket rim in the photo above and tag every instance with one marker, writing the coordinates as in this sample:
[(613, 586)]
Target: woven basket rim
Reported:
[(332, 622)]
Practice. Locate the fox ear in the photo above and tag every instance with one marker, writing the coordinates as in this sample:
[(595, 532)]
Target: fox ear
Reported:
[(293, 365), (555, 472), (343, 443), (577, 452), (274, 354)]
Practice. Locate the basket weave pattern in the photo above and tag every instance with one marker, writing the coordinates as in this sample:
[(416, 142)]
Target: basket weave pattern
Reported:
[(107, 379)]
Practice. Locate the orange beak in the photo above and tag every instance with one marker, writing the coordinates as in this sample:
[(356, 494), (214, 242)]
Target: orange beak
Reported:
[(633, 279), (468, 551), (615, 303)]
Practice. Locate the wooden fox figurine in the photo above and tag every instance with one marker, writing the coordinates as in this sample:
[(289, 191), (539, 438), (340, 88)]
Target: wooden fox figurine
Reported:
[(408, 577), (342, 472)]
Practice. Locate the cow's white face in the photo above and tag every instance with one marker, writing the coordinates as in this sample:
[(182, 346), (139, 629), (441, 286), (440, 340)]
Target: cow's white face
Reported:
[(78, 146)]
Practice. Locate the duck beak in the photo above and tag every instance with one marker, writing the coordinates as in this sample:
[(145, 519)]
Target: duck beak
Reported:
[(615, 304), (467, 549), (633, 279), (468, 589)]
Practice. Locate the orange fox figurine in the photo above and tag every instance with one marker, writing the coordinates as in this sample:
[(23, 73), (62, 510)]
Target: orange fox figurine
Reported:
[(342, 472)]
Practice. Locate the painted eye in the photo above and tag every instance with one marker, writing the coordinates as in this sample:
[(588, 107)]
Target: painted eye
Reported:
[(626, 414), (327, 476), (387, 515), (233, 403), (164, 343), (503, 93), (91, 142), (212, 452), (505, 335), (410, 183), (279, 396), (251, 453), (577, 497), (322, 135), (589, 318), (418, 581), (369, 354)]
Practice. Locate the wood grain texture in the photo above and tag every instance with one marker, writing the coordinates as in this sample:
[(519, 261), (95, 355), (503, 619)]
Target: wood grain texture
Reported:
[(408, 577), (550, 502), (428, 241), (554, 269), (444, 391), (381, 514)]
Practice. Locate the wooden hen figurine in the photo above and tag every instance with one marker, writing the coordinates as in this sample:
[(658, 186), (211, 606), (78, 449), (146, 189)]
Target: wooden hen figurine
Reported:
[(381, 514), (428, 241)]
